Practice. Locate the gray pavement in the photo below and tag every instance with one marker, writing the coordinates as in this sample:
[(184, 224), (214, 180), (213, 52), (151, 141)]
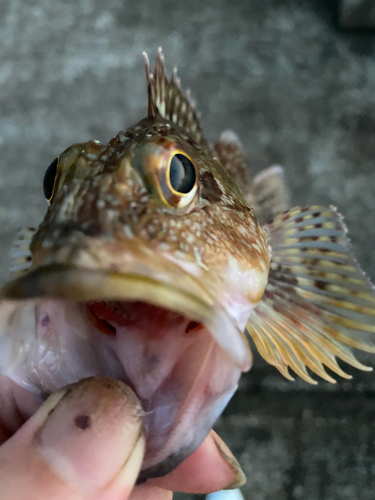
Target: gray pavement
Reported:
[(298, 90)]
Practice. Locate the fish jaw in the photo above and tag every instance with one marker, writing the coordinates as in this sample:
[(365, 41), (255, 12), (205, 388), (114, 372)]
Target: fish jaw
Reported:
[(199, 370)]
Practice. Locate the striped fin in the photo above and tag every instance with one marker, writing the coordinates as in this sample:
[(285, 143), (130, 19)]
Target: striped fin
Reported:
[(20, 255), (166, 99), (318, 303)]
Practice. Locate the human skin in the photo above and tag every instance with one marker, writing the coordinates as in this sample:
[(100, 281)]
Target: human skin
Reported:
[(86, 441)]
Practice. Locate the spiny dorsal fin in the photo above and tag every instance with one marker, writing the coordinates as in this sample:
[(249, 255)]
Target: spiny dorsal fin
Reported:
[(166, 99), (318, 303), (268, 195), (230, 152)]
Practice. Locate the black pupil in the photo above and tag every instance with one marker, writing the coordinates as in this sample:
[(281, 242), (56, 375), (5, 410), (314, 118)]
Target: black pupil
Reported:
[(49, 179), (182, 174)]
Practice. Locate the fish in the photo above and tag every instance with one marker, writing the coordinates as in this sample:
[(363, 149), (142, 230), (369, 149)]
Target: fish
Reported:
[(159, 257)]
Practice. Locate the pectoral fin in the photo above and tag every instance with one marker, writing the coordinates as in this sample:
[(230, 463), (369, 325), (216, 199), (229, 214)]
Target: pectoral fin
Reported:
[(318, 302)]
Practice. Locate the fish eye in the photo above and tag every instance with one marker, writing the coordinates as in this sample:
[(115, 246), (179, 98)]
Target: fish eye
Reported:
[(182, 174), (49, 179), (169, 173)]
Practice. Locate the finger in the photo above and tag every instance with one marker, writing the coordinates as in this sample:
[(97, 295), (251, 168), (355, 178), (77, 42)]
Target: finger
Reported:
[(211, 467), (148, 492), (85, 441), (16, 406)]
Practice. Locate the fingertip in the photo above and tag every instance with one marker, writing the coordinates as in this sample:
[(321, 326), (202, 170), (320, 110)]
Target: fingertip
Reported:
[(86, 438), (94, 433), (149, 492), (211, 467)]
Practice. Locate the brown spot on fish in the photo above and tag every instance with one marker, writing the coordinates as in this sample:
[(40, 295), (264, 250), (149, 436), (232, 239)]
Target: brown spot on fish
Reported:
[(322, 285), (163, 130)]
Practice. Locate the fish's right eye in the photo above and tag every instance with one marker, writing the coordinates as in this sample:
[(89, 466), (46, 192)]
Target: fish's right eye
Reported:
[(49, 179)]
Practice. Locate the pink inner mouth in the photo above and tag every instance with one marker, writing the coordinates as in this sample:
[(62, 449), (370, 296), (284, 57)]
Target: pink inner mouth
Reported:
[(107, 316), (181, 375), (173, 365)]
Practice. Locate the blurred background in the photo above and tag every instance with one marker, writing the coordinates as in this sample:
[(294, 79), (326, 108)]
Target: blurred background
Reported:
[(296, 80)]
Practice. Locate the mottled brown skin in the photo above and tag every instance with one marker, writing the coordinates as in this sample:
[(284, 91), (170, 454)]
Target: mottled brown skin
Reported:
[(101, 199)]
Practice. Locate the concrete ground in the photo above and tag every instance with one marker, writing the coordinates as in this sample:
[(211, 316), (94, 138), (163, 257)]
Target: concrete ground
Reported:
[(298, 90)]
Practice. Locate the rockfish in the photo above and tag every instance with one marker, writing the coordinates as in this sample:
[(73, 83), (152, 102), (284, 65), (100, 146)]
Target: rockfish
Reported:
[(157, 253)]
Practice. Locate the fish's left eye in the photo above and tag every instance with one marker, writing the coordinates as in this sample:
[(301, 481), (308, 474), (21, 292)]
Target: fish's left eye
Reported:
[(179, 182), (182, 175), (49, 179)]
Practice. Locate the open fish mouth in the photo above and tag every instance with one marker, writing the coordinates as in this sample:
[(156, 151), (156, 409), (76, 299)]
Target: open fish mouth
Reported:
[(180, 351)]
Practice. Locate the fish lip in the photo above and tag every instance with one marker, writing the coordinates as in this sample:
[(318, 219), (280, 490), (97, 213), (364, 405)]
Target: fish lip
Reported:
[(79, 284), (83, 285)]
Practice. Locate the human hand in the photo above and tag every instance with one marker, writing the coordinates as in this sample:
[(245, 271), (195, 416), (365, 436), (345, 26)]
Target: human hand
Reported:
[(86, 442)]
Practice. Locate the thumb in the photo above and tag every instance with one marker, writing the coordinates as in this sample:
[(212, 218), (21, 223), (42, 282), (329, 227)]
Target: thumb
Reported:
[(85, 441)]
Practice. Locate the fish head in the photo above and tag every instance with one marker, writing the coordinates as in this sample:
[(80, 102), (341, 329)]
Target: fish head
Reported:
[(146, 268), (154, 203)]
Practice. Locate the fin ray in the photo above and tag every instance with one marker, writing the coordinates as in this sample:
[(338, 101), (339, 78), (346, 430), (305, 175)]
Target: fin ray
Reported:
[(318, 301), (20, 255), (230, 152), (166, 99), (268, 195)]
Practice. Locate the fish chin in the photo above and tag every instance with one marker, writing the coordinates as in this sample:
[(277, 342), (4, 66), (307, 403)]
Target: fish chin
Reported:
[(168, 355)]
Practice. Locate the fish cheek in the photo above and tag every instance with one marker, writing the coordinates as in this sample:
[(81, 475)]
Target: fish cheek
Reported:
[(210, 189)]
